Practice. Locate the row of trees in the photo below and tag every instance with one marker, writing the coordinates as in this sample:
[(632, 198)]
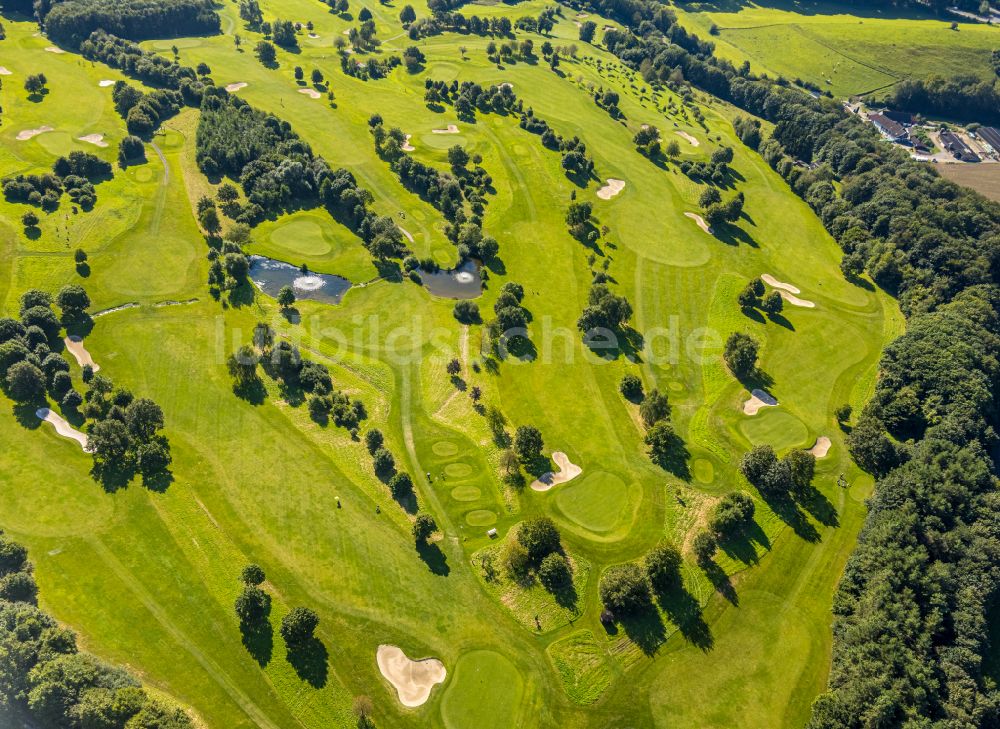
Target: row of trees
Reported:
[(70, 23), (44, 678), (753, 296), (968, 98), (74, 175), (627, 589), (909, 642)]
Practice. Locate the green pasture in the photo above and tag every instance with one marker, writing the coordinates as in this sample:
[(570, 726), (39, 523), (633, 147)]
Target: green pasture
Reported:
[(148, 578)]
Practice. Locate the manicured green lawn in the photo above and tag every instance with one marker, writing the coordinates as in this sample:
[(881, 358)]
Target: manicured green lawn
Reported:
[(149, 578)]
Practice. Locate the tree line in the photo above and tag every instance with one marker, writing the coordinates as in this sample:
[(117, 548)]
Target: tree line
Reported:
[(911, 611), (966, 98), (72, 21)]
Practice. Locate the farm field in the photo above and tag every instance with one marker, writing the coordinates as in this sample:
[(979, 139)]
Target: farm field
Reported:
[(983, 178), (148, 577), (841, 49)]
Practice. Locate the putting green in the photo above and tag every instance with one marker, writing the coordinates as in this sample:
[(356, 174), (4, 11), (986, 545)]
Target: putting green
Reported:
[(457, 470), (599, 502), (442, 141), (703, 470), (445, 448), (485, 692), (143, 173), (777, 428), (481, 517), (302, 235), (466, 493), (57, 143)]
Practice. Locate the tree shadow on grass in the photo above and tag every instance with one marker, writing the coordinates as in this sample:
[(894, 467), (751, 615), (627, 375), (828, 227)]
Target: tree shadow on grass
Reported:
[(253, 392), (158, 482), (789, 512), (25, 415), (566, 596), (685, 612), (720, 581), (822, 509), (742, 546), (645, 629), (780, 320), (408, 502), (434, 558), (112, 477), (310, 661), (676, 459), (733, 235), (258, 639)]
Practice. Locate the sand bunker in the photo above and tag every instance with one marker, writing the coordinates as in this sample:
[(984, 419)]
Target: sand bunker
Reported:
[(450, 129), (567, 472), (406, 233), (772, 281), (796, 301), (29, 133), (113, 309), (611, 189), (62, 427), (75, 346), (758, 399), (413, 680), (694, 142), (311, 93), (95, 139), (407, 147), (233, 88), (700, 221), (506, 85), (104, 83), (821, 448), (53, 49), (4, 71), (313, 35)]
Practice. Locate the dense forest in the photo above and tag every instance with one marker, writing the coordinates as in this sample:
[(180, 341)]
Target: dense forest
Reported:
[(70, 22), (965, 98), (44, 678), (910, 614)]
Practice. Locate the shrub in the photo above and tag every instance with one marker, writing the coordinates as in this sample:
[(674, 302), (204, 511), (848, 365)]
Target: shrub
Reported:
[(663, 563), (554, 572), (298, 626), (631, 388), (624, 589), (539, 537)]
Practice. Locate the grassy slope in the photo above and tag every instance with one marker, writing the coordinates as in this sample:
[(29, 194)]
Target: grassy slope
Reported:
[(840, 48), (259, 483)]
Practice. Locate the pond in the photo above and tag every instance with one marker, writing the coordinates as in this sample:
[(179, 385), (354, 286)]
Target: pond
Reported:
[(270, 276), (464, 282)]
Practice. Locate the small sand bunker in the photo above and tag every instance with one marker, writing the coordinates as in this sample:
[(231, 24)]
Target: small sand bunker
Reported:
[(694, 142), (759, 399), (506, 85), (62, 427), (233, 88), (311, 93), (314, 35), (53, 49), (450, 129), (30, 133), (611, 189), (796, 301), (700, 221), (821, 448), (95, 139), (75, 346), (4, 71), (772, 281), (407, 147), (413, 680), (567, 472), (406, 233), (104, 83)]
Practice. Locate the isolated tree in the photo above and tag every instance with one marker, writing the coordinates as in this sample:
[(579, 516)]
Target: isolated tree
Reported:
[(252, 605), (266, 52), (773, 303), (423, 526), (35, 83), (539, 537), (554, 572), (252, 574), (631, 387), (587, 30), (242, 366), (802, 465), (29, 219), (202, 69), (373, 440), (453, 367), (740, 354), (528, 443), (663, 443), (458, 158), (316, 77), (624, 589), (663, 564), (298, 626), (73, 300), (654, 408), (843, 413), (80, 256), (383, 463), (286, 297), (363, 709), (25, 382), (731, 514), (364, 14), (703, 546), (407, 15), (299, 73)]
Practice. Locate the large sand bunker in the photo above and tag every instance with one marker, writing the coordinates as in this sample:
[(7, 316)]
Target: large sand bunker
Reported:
[(62, 427), (4, 71), (407, 234), (233, 88), (311, 93), (75, 346), (407, 147), (53, 49), (611, 189), (413, 680), (758, 399), (796, 301), (31, 133), (567, 472), (104, 83), (450, 129), (772, 281), (821, 448), (95, 139), (700, 221), (694, 142)]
